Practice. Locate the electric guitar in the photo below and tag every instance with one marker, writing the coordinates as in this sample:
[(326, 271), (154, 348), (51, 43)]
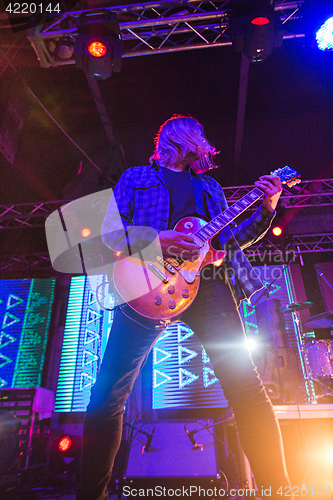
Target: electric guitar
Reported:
[(160, 287)]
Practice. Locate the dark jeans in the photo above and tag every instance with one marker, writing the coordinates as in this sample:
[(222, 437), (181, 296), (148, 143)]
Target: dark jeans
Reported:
[(214, 318)]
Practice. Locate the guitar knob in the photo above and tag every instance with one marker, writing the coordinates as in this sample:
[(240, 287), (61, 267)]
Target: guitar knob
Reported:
[(158, 300), (172, 304), (171, 289), (185, 293)]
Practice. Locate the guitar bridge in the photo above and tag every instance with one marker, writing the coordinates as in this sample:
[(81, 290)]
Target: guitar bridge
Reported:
[(167, 265)]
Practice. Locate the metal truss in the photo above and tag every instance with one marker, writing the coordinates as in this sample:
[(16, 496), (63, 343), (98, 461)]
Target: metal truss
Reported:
[(157, 27), (264, 251), (318, 193), (25, 263), (297, 244), (27, 215)]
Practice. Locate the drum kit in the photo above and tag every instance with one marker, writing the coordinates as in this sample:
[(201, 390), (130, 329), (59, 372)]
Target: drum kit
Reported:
[(316, 355)]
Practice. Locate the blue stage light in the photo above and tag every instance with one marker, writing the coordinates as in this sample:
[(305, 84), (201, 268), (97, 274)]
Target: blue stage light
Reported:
[(324, 35)]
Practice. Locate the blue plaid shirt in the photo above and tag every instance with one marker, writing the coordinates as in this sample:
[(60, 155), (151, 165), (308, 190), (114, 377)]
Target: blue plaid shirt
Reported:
[(140, 207)]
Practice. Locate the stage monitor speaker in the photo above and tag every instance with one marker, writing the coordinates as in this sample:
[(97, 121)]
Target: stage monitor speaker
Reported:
[(172, 448)]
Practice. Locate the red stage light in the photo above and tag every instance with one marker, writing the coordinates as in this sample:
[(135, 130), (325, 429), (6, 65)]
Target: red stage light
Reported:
[(97, 48), (260, 21), (65, 443), (85, 232), (117, 253), (277, 231)]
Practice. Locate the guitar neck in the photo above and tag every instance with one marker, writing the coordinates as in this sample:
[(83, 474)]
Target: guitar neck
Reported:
[(218, 223)]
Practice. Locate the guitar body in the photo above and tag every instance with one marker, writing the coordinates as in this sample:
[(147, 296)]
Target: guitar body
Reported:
[(164, 287)]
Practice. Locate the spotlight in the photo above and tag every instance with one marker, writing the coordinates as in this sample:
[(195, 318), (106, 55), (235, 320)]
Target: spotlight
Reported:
[(324, 35), (317, 22), (98, 45), (256, 29), (86, 232), (97, 48), (277, 230), (251, 344), (64, 451), (64, 444)]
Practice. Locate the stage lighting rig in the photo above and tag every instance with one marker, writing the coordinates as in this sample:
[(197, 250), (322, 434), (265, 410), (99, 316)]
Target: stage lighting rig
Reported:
[(63, 453), (98, 45), (256, 29)]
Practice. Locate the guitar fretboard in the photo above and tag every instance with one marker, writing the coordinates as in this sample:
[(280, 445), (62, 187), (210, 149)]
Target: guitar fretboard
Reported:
[(215, 225)]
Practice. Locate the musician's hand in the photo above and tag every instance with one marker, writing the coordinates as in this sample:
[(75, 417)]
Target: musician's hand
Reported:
[(176, 244), (272, 187)]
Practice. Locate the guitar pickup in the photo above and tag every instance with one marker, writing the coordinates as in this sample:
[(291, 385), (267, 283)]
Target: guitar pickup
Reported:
[(161, 276), (169, 268), (174, 262), (166, 265)]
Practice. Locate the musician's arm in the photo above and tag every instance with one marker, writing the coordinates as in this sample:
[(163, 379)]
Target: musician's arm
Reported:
[(250, 230), (254, 228), (118, 231)]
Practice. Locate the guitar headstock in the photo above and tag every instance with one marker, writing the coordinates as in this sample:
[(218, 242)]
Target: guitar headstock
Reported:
[(288, 176)]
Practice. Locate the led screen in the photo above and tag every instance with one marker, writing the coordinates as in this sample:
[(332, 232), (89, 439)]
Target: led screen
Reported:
[(25, 311), (87, 328)]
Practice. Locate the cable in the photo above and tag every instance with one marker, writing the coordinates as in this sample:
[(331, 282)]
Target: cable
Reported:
[(97, 298), (226, 479), (307, 446)]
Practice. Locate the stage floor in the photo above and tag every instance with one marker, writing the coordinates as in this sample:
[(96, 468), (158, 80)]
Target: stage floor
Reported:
[(48, 494)]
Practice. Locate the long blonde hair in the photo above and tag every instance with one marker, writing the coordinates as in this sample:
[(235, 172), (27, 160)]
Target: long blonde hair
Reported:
[(179, 136)]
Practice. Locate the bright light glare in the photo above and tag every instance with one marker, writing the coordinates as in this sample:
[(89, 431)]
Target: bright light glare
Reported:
[(97, 49), (65, 443), (324, 35), (251, 344), (85, 232), (277, 231), (329, 456), (260, 21)]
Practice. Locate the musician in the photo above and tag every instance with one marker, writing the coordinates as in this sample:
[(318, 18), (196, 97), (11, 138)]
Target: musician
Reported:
[(148, 201)]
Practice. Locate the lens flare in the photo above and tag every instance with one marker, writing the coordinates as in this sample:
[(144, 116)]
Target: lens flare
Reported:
[(324, 35), (260, 21), (85, 232), (97, 48), (65, 443), (251, 344), (277, 231)]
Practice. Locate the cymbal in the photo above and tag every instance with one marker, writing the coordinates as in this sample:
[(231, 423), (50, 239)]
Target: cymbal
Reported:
[(295, 306), (323, 320)]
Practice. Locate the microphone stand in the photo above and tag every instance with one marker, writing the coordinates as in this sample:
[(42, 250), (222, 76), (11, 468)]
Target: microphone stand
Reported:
[(266, 289), (321, 274)]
